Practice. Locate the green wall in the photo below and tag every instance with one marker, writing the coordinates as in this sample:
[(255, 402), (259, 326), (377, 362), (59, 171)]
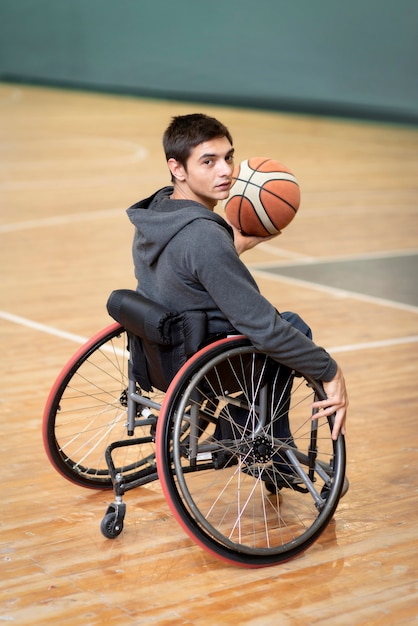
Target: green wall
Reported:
[(355, 58)]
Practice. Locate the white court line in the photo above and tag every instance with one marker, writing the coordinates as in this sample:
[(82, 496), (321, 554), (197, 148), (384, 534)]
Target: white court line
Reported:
[(57, 220), (133, 152), (301, 259), (43, 328), (369, 345), (67, 183), (339, 293), (295, 257), (50, 330)]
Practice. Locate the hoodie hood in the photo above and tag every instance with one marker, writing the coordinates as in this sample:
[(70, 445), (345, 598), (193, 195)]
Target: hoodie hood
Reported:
[(158, 219)]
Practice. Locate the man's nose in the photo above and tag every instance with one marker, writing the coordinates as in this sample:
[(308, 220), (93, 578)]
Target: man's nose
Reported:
[(225, 168)]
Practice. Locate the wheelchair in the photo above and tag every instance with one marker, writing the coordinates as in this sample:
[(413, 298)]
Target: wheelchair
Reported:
[(247, 470)]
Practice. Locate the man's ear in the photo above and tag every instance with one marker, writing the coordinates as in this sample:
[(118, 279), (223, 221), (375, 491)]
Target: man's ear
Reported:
[(177, 170)]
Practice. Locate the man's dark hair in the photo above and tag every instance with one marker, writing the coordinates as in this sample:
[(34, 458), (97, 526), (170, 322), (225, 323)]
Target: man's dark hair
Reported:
[(185, 132)]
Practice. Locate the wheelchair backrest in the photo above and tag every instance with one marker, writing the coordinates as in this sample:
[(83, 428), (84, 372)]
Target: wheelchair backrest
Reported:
[(160, 340)]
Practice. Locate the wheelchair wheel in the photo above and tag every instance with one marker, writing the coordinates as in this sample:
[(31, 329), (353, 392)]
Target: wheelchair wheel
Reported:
[(86, 412), (242, 484)]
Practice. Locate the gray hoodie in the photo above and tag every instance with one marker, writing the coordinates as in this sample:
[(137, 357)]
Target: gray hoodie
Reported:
[(185, 259)]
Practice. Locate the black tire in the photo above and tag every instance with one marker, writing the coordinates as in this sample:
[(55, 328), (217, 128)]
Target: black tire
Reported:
[(110, 526), (86, 411), (228, 511)]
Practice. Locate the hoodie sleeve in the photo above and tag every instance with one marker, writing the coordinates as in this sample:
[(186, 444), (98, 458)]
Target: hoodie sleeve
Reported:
[(212, 257)]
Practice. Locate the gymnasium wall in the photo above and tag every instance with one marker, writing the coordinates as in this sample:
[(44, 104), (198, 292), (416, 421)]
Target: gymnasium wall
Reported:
[(355, 58)]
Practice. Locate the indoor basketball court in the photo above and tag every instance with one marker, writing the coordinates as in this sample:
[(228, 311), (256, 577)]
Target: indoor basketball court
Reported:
[(349, 270), (72, 162)]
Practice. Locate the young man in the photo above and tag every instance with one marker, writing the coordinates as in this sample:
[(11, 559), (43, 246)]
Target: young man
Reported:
[(187, 258)]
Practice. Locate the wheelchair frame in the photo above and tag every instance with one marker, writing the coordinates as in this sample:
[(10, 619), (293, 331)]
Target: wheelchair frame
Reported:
[(230, 494)]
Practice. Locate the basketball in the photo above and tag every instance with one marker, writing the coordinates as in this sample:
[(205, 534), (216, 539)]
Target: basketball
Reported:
[(264, 197)]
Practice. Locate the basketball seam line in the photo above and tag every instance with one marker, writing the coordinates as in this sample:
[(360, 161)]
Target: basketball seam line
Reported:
[(242, 195)]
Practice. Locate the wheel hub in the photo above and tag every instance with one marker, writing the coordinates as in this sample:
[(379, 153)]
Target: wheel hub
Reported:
[(262, 450)]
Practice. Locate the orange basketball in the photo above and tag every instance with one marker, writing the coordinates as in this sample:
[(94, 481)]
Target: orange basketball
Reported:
[(264, 197)]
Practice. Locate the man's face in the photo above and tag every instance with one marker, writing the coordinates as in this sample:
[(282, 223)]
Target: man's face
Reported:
[(207, 177)]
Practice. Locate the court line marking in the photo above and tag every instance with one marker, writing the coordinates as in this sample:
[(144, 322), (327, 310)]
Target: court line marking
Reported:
[(69, 183), (302, 259), (59, 220), (339, 293), (134, 152), (50, 330)]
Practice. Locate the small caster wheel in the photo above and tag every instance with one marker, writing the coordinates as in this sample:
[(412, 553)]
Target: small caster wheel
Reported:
[(112, 524)]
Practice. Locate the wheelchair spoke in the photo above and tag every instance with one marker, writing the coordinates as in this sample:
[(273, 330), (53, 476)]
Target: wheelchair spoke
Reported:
[(270, 490)]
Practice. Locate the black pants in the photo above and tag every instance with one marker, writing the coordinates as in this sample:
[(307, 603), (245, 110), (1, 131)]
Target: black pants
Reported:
[(231, 426)]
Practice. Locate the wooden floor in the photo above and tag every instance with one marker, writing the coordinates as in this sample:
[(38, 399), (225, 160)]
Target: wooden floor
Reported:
[(70, 164)]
